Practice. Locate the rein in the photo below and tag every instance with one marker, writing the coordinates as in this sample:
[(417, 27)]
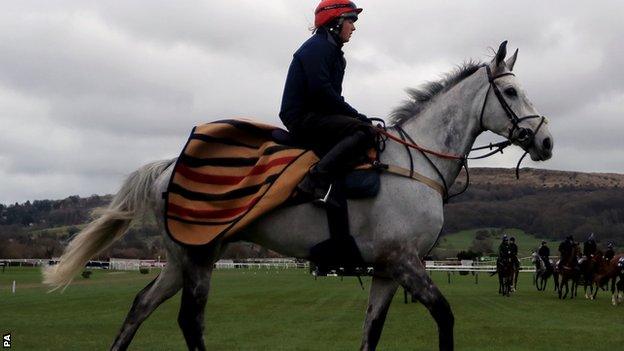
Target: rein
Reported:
[(517, 134)]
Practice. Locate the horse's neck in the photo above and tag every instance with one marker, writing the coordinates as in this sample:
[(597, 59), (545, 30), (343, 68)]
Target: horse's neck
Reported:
[(450, 124)]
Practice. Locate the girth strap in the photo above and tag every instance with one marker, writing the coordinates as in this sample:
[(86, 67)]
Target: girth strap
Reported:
[(407, 174)]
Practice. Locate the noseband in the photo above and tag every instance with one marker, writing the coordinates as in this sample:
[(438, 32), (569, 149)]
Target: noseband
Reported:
[(517, 134)]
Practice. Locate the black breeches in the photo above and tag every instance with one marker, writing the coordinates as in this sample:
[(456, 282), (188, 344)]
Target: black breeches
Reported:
[(322, 133)]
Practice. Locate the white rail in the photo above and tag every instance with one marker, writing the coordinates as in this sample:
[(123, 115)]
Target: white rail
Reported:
[(460, 268)]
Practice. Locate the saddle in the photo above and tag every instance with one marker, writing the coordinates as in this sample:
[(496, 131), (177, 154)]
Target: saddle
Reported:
[(231, 172)]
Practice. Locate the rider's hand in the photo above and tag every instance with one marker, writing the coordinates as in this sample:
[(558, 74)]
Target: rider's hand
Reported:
[(364, 119)]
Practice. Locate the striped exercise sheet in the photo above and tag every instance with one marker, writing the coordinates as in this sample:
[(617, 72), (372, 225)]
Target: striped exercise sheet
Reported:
[(230, 173)]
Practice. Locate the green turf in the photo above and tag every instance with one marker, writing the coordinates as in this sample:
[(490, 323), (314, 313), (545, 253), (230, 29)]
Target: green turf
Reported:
[(289, 310)]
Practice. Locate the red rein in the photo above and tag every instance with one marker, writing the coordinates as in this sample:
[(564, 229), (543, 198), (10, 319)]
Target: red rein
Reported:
[(414, 146)]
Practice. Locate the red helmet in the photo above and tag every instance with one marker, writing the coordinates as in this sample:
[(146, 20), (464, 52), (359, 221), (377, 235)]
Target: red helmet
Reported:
[(329, 10)]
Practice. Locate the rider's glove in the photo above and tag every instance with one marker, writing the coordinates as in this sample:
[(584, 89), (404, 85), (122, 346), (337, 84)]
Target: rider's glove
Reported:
[(363, 118)]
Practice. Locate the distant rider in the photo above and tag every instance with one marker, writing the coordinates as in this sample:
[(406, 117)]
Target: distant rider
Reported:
[(513, 252), (609, 254), (589, 247), (565, 249), (504, 250), (544, 253)]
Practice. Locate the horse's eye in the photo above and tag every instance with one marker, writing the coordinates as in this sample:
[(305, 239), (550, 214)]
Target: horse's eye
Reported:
[(511, 92)]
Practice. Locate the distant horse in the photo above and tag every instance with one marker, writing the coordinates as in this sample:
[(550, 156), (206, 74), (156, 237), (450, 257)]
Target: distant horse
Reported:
[(569, 272), (506, 270), (619, 287), (392, 230), (542, 272), (555, 268), (516, 273), (589, 267), (610, 271)]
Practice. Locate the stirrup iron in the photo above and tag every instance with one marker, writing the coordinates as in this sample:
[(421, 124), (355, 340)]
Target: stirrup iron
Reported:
[(326, 197)]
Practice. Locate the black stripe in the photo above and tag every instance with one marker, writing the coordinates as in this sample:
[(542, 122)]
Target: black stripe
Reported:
[(176, 218), (218, 161), (248, 127), (226, 141), (230, 161), (230, 195)]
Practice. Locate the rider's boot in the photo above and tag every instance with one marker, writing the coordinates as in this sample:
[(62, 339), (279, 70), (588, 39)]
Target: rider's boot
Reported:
[(317, 183)]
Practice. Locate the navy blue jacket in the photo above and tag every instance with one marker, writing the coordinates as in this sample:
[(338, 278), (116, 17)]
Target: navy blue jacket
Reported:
[(314, 81)]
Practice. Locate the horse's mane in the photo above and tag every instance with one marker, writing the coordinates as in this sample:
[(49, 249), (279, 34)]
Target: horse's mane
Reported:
[(423, 95)]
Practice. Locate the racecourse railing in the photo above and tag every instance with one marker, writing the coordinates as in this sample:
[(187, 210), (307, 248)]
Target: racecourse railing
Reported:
[(462, 268), (284, 263)]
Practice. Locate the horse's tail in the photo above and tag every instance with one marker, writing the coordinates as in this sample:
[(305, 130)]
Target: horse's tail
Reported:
[(130, 202)]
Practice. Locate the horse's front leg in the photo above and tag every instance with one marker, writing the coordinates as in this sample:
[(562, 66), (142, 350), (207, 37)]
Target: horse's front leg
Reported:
[(381, 292), (619, 287), (410, 273), (613, 293), (595, 291)]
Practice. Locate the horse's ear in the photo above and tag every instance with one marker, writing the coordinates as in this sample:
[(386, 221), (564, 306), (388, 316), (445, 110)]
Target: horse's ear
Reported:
[(512, 61), (501, 53)]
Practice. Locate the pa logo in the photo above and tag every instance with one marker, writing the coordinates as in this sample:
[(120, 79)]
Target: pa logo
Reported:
[(6, 341)]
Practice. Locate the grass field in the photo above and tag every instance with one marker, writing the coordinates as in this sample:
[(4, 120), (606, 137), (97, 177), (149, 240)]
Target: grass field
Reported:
[(289, 310)]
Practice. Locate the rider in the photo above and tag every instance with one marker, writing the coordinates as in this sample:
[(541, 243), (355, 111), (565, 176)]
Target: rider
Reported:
[(544, 253), (513, 251), (609, 254), (589, 246), (504, 250), (564, 248), (313, 109)]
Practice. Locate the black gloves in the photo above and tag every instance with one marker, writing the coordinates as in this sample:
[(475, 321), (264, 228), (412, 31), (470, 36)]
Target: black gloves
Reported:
[(364, 119)]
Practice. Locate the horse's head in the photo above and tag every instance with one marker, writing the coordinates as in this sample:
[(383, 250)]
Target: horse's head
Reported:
[(508, 111)]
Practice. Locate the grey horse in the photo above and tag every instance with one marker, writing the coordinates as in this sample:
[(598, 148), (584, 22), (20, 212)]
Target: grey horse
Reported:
[(392, 230)]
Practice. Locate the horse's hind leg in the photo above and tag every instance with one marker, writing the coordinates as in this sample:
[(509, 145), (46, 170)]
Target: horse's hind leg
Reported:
[(381, 292), (167, 284), (411, 274), (197, 272)]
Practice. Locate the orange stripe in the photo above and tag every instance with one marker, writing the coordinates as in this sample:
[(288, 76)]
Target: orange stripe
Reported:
[(244, 170), (214, 205), (189, 173), (210, 214)]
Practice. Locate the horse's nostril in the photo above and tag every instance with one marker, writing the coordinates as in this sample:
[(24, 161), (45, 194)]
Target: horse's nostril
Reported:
[(547, 144)]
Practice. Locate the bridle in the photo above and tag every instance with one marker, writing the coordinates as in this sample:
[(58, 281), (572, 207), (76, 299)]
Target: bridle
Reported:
[(517, 134)]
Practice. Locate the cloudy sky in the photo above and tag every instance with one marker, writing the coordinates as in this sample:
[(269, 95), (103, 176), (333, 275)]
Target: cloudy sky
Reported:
[(91, 90)]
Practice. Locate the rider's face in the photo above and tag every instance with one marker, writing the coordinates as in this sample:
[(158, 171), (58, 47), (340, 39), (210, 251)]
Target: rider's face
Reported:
[(347, 28)]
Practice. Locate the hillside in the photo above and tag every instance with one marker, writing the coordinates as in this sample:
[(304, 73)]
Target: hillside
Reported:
[(543, 179), (546, 204)]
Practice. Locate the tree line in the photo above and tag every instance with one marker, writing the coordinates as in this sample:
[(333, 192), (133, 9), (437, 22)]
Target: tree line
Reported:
[(41, 228)]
